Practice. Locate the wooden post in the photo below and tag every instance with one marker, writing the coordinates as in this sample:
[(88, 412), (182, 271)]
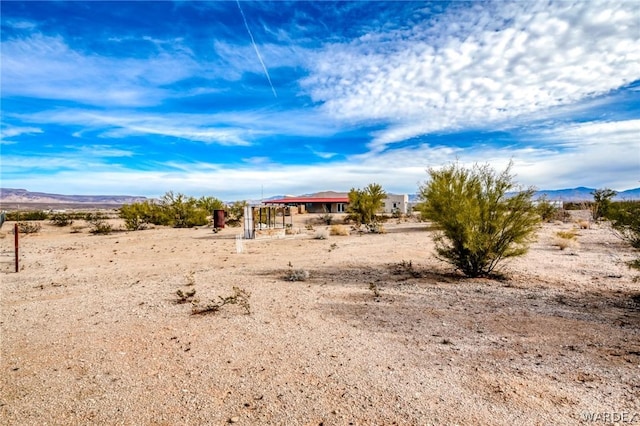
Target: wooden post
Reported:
[(16, 238)]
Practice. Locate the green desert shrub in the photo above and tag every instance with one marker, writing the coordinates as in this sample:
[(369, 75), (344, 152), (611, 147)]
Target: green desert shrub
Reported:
[(133, 216), (235, 213), (546, 210), (98, 224), (29, 227), (184, 211), (625, 220), (156, 214), (209, 204), (24, 216), (480, 220), (61, 219), (602, 202), (365, 204), (138, 216)]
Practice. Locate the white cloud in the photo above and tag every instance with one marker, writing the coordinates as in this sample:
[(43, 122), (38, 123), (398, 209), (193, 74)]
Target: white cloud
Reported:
[(20, 24), (13, 131), (594, 154), (239, 129), (605, 133), (490, 65), (46, 67), (101, 151), (322, 154)]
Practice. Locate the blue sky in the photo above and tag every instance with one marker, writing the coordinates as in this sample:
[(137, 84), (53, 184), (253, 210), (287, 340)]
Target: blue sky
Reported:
[(232, 99)]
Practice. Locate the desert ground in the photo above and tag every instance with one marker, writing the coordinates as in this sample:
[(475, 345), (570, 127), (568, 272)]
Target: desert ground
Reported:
[(380, 333)]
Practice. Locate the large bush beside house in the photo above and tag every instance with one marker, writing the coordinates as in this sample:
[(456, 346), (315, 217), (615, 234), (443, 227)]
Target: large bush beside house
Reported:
[(365, 204), (480, 223)]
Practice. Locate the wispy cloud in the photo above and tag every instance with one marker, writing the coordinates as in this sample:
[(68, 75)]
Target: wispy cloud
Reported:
[(13, 131), (226, 128), (100, 151), (321, 154), (43, 66), (595, 133)]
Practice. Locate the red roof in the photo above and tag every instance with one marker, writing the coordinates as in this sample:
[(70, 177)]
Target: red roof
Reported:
[(288, 200)]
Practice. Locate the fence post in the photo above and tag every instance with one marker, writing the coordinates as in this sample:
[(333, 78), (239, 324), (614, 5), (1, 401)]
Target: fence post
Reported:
[(16, 238)]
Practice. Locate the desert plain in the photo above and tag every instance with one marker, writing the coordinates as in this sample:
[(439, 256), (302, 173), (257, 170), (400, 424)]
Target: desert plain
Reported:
[(379, 333)]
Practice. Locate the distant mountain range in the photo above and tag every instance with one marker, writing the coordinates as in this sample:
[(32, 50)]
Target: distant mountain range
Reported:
[(585, 194), (15, 196), (22, 196)]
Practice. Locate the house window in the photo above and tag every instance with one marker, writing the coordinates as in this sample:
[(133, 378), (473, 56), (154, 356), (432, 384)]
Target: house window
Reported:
[(340, 207)]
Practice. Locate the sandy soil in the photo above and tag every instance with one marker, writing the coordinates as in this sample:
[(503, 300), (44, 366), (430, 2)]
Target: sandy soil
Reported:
[(92, 332)]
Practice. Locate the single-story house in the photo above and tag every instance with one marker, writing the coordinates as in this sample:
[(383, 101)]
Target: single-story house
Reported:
[(396, 203), (314, 204), (336, 202)]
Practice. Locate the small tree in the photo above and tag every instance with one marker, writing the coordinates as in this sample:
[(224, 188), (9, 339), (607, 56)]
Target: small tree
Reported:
[(209, 204), (546, 210), (365, 203), (135, 216), (602, 202), (480, 222)]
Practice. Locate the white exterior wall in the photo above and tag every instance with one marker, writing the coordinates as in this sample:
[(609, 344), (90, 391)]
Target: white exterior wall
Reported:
[(395, 202)]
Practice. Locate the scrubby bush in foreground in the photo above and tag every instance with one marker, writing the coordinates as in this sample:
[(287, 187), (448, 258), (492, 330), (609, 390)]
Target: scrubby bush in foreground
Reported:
[(239, 297), (98, 224), (29, 227), (479, 223), (625, 220), (61, 220)]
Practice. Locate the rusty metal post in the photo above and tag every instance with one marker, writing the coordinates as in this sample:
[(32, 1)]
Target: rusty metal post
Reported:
[(16, 238)]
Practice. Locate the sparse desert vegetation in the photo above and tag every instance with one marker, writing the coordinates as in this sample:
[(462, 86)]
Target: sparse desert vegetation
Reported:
[(339, 230), (361, 328), (566, 239)]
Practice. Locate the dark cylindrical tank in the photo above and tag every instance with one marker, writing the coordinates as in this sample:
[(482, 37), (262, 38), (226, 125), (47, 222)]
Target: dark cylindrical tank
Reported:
[(218, 218)]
